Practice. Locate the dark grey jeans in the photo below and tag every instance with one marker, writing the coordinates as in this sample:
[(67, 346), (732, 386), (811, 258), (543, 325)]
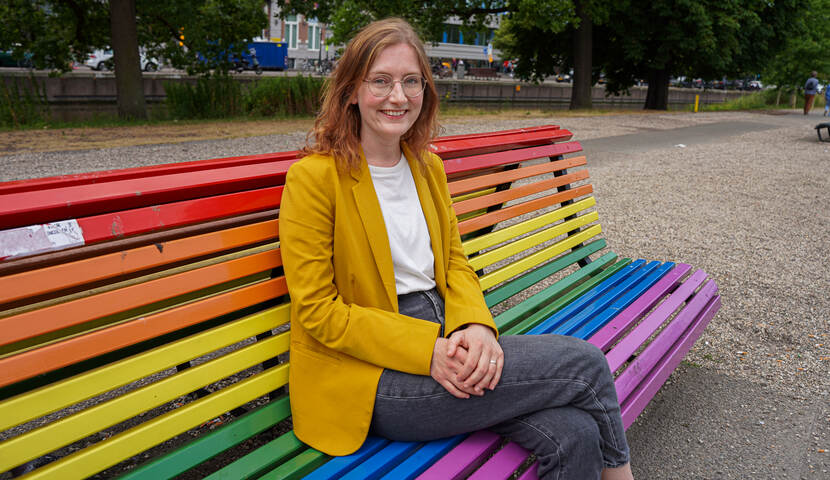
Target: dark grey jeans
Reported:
[(556, 397)]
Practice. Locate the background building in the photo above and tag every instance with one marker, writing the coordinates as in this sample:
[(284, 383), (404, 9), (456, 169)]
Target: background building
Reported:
[(306, 40)]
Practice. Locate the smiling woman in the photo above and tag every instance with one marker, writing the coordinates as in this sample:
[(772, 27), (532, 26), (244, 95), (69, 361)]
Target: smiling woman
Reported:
[(390, 331)]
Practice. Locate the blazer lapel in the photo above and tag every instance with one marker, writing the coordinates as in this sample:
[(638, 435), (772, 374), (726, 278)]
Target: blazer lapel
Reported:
[(372, 218)]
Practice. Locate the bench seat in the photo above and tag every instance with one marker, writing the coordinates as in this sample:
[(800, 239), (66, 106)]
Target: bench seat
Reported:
[(144, 329)]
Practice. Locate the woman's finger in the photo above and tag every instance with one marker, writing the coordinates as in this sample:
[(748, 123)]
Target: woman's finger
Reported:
[(497, 374)]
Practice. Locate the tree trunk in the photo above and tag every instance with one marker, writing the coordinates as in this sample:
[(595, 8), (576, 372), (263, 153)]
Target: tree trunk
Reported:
[(657, 97), (583, 60), (128, 82)]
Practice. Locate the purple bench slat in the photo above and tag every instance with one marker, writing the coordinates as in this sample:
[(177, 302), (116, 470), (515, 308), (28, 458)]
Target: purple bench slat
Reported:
[(636, 402), (502, 464), (628, 345), (609, 334), (463, 459), (628, 380)]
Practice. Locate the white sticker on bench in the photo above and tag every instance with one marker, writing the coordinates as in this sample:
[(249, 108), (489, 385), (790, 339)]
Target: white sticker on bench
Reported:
[(35, 239)]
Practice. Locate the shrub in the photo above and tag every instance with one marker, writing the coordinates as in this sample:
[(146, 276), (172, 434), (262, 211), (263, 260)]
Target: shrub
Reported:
[(282, 96), (216, 96), (22, 104)]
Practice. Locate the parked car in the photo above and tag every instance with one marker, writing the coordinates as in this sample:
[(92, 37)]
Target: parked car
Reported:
[(103, 60)]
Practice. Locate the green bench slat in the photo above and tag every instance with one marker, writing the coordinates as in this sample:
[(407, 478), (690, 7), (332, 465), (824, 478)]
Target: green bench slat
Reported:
[(297, 467), (539, 300), (214, 443), (260, 460), (506, 291), (531, 321)]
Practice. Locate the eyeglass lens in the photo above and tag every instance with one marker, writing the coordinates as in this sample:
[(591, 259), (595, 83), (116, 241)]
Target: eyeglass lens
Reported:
[(382, 85)]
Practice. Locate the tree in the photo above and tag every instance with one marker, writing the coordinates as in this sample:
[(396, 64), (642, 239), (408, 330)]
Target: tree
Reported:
[(196, 35), (803, 51), (528, 28), (700, 38)]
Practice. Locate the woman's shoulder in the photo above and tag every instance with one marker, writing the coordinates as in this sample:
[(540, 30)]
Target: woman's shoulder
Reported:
[(315, 165)]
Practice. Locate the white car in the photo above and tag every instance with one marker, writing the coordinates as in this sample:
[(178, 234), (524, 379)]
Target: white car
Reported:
[(102, 60)]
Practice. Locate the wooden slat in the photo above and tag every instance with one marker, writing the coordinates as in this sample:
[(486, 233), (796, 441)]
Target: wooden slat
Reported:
[(464, 458), (502, 464), (60, 316), (36, 207), (217, 441), (526, 243), (583, 283), (612, 332), (454, 167), (34, 362), (471, 184), (63, 276), (47, 399), (502, 293), (638, 400), (494, 278), (516, 192), (645, 329), (106, 453), (514, 231), (262, 459), (478, 143), (89, 421), (506, 213)]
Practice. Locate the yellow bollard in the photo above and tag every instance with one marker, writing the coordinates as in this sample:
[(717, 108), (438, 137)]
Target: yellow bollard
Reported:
[(697, 101)]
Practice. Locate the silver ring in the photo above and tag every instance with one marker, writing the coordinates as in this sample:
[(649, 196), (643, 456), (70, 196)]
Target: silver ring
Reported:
[(493, 361)]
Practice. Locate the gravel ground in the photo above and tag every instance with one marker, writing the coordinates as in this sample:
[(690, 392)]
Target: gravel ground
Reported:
[(748, 203)]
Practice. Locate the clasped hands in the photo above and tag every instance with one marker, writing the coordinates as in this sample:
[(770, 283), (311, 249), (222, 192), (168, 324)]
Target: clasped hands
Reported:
[(468, 362)]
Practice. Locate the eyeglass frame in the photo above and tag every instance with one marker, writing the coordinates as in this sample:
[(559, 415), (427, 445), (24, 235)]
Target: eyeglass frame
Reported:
[(400, 82)]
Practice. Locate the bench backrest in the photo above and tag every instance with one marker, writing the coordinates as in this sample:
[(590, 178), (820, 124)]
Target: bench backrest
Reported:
[(171, 311)]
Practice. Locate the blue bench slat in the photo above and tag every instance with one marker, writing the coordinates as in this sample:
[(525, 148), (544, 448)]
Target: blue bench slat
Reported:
[(423, 458), (599, 321), (586, 299), (338, 466), (605, 300), (382, 461)]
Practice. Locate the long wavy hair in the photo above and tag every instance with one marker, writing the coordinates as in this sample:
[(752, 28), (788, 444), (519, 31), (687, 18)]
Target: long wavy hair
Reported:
[(336, 130)]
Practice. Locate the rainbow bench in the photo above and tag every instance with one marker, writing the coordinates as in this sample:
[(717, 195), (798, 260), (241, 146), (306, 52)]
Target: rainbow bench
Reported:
[(144, 315)]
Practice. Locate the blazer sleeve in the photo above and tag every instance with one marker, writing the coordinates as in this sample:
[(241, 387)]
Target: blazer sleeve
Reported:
[(464, 302), (383, 338)]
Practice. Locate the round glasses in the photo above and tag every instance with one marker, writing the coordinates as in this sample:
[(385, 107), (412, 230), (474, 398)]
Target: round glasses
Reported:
[(381, 85)]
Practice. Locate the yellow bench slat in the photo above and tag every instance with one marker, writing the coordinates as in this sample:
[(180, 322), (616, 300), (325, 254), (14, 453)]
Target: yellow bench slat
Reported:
[(92, 420), (515, 268), (37, 403), (505, 234), (530, 241), (131, 442)]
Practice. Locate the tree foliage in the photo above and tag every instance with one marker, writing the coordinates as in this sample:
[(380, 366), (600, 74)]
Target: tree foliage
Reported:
[(804, 50), (57, 32)]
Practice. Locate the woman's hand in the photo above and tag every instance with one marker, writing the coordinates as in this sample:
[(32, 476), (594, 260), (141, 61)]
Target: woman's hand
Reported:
[(444, 368), (484, 360)]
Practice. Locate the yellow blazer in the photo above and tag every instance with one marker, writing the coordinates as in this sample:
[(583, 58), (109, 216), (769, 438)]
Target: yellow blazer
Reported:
[(345, 325)]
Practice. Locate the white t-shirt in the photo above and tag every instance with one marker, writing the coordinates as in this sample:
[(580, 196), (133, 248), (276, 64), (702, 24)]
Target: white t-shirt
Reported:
[(406, 227)]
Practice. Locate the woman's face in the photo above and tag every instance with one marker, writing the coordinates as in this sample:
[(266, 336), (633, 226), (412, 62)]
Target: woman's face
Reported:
[(388, 118)]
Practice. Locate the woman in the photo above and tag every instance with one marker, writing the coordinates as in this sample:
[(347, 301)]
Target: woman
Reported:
[(390, 333)]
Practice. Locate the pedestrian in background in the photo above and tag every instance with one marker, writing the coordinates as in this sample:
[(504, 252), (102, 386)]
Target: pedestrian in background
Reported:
[(826, 99), (810, 90)]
